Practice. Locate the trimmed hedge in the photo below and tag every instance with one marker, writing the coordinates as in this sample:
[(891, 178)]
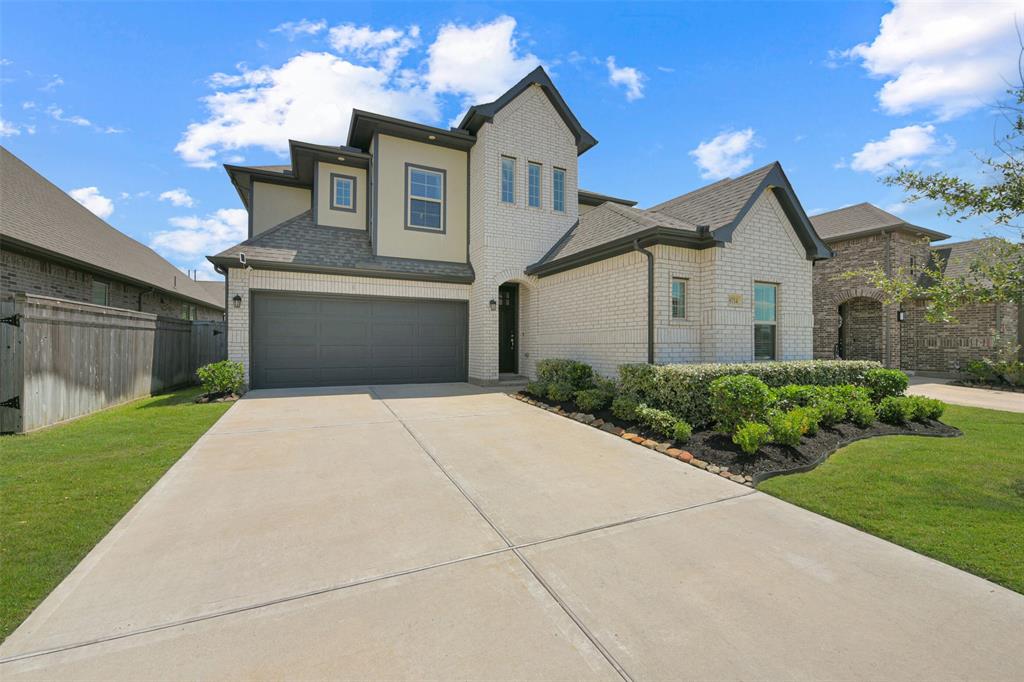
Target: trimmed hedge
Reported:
[(576, 375), (684, 390)]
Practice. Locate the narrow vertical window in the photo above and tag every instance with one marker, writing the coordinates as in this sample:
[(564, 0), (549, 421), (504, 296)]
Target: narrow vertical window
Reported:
[(100, 292), (508, 180), (678, 298), (765, 320), (558, 190), (533, 184), (343, 192)]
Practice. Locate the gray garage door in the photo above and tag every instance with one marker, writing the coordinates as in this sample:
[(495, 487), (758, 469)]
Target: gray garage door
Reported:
[(300, 340)]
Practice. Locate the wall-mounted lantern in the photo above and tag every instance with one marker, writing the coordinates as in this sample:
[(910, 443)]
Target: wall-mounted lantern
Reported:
[(493, 304), (237, 300), (901, 315)]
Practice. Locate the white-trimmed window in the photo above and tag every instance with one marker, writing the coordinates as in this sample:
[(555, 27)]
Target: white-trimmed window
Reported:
[(558, 190), (533, 171), (678, 298), (766, 298), (100, 292), (508, 180), (425, 194), (343, 192)]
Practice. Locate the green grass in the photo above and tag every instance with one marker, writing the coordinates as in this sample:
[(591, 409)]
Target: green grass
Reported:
[(63, 488), (958, 500)]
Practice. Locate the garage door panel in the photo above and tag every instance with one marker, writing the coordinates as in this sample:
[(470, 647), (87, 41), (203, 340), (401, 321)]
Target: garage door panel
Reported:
[(324, 340)]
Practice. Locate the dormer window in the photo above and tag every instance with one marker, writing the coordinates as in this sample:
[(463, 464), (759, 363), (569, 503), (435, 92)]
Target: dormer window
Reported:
[(343, 192), (424, 198)]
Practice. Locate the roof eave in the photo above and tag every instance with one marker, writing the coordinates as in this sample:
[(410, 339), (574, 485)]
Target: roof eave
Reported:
[(232, 262), (933, 235), (656, 235)]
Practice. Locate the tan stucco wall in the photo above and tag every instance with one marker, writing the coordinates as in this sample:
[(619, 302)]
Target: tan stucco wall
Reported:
[(325, 215), (274, 204), (392, 237)]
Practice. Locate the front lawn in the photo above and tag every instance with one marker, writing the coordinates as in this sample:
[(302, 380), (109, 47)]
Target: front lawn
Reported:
[(63, 488), (958, 500)]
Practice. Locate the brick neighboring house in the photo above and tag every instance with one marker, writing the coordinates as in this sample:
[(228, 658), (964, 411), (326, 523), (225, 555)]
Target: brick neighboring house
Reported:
[(413, 253), (851, 319), (50, 245)]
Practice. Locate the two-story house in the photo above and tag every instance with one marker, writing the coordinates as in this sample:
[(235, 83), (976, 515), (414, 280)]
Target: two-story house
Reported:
[(414, 254)]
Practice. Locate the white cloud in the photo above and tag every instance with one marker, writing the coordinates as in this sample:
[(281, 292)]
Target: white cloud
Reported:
[(946, 57), (628, 77), (91, 198), (897, 208), (195, 237), (666, 69), (310, 97), (901, 147), (52, 84), (8, 129), (386, 47), (725, 154), (5, 62), (28, 105), (303, 27), (57, 114), (177, 197), (479, 62)]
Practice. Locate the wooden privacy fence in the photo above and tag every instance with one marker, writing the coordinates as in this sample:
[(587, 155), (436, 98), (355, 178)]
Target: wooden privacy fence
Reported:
[(63, 359)]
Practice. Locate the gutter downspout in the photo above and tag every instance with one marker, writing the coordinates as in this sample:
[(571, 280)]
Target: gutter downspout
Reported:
[(650, 300)]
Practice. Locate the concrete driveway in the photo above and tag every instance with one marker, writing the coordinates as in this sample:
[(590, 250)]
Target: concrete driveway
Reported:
[(966, 395), (448, 532)]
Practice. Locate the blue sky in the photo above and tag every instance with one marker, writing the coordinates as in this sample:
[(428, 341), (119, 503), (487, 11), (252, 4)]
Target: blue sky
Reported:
[(133, 107)]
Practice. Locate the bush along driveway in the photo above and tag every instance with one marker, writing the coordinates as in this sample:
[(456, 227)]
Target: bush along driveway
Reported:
[(64, 488)]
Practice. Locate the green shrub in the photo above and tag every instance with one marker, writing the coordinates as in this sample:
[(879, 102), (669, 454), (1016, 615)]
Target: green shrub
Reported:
[(796, 395), (591, 399), (577, 375), (1012, 372), (538, 389), (660, 421), (752, 436), (738, 399), (830, 411), (861, 413), (222, 377), (561, 391), (788, 427), (885, 383), (624, 408), (922, 408), (981, 371), (895, 410), (682, 431), (684, 390)]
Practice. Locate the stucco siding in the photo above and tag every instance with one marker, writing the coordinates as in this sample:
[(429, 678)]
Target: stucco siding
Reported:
[(273, 204), (325, 215), (393, 239)]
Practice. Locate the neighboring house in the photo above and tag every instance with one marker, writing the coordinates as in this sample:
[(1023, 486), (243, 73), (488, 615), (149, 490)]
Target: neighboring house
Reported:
[(851, 319), (414, 253), (51, 245)]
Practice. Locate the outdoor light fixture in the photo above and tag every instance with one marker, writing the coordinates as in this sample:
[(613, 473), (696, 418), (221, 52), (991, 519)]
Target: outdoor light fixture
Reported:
[(237, 300), (494, 304), (901, 315), (431, 137)]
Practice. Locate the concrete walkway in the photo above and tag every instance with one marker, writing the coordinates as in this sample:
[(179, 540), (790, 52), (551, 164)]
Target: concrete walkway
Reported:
[(413, 532), (965, 395)]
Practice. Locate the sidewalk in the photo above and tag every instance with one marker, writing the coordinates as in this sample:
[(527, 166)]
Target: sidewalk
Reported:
[(963, 395)]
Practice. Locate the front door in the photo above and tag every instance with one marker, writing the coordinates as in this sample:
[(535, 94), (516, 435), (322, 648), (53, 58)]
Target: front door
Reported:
[(508, 327)]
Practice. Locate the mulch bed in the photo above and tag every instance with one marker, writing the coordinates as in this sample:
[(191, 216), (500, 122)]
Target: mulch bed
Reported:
[(717, 453), (217, 397)]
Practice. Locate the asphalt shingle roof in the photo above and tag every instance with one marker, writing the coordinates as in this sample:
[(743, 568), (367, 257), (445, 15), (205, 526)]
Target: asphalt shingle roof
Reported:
[(715, 205), (861, 218), (299, 242), (608, 222), (39, 215), (955, 259)]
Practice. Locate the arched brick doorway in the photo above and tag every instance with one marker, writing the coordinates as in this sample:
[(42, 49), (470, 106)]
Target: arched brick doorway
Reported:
[(860, 335)]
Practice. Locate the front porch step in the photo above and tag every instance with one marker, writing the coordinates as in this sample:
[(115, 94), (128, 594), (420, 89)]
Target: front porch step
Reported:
[(515, 380)]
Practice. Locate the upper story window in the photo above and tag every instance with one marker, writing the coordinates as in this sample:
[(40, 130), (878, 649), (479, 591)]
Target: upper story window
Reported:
[(533, 184), (188, 311), (678, 298), (765, 318), (343, 192), (558, 190), (508, 180), (424, 198), (100, 292)]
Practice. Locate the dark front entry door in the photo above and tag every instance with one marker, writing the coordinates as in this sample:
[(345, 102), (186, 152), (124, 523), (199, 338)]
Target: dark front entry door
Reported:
[(508, 327)]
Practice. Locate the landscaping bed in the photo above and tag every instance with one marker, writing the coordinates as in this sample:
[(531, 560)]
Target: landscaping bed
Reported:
[(709, 448)]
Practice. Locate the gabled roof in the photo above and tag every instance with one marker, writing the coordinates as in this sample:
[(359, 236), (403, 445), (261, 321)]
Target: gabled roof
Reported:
[(364, 124), (699, 219), (483, 113), (954, 259), (864, 219), (300, 244), (38, 217)]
